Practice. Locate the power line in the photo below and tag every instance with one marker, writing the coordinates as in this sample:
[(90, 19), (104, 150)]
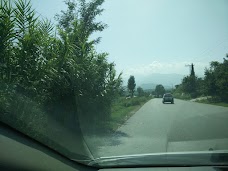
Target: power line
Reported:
[(206, 52)]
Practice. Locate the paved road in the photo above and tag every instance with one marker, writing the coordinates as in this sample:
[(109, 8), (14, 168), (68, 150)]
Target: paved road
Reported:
[(157, 127)]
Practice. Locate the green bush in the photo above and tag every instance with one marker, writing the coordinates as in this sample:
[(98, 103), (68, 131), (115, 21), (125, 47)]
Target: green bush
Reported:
[(131, 101), (127, 104), (135, 102)]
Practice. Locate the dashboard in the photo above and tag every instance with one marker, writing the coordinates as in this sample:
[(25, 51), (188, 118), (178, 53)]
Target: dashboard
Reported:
[(19, 152)]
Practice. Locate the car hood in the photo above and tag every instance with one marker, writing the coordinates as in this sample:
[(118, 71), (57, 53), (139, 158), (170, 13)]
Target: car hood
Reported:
[(209, 158)]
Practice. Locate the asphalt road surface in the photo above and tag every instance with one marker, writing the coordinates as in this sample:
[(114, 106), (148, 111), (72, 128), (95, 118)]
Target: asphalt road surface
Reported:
[(157, 127)]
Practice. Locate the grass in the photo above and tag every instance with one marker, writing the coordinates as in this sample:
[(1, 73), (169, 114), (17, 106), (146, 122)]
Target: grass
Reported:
[(212, 101), (208, 101), (123, 109)]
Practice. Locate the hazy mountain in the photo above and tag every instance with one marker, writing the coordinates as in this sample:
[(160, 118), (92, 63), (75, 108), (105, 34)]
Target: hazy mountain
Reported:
[(148, 86), (167, 80), (151, 86)]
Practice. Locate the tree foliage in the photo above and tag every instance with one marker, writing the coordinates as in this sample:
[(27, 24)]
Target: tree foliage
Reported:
[(140, 91), (131, 85), (159, 90), (216, 82), (213, 84), (189, 85), (58, 69)]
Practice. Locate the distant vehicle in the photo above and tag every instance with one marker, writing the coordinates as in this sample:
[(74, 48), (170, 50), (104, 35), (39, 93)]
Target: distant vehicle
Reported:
[(168, 98)]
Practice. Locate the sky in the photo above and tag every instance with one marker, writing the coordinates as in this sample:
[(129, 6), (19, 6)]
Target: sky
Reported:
[(158, 36)]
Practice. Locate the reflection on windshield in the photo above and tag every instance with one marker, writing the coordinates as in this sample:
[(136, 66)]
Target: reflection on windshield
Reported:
[(59, 88)]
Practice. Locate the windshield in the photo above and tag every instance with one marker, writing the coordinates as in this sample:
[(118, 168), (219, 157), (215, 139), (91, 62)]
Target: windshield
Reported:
[(86, 77), (167, 95)]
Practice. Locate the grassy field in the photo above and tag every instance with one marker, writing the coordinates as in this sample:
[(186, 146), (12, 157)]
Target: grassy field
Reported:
[(124, 108)]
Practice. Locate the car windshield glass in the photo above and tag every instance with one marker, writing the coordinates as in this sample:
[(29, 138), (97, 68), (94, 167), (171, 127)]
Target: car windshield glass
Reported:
[(87, 77)]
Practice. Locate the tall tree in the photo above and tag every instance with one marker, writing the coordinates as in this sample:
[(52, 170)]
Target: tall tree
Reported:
[(189, 83), (216, 80), (7, 35), (83, 75), (131, 85), (210, 79), (159, 90), (61, 72), (192, 70), (140, 91)]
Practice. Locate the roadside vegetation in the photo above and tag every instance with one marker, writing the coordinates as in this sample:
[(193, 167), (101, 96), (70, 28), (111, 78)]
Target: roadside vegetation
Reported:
[(52, 75), (213, 84), (123, 108), (53, 72), (212, 102)]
